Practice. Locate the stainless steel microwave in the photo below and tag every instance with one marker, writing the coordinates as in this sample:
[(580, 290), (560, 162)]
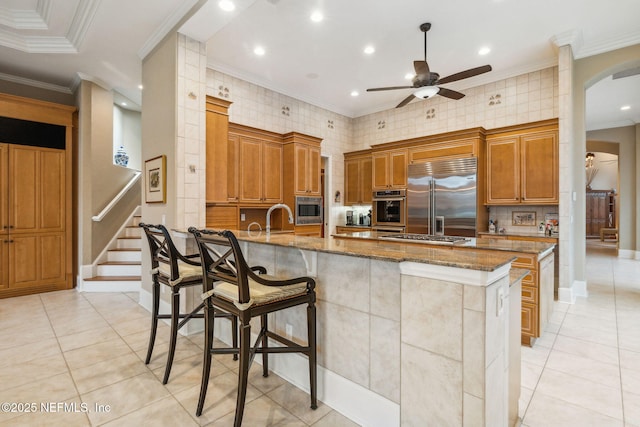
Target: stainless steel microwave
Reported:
[(308, 210)]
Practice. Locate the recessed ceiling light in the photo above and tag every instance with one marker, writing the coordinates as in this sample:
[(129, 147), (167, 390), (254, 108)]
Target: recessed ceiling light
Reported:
[(140, 87), (484, 50), (354, 93), (317, 16), (226, 5), (409, 76), (369, 50), (124, 104), (259, 50), (625, 107)]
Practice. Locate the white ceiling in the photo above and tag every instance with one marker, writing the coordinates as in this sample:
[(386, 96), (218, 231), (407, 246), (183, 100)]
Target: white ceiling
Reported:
[(53, 43)]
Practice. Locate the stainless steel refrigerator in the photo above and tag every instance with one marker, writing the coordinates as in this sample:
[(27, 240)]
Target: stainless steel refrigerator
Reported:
[(441, 197)]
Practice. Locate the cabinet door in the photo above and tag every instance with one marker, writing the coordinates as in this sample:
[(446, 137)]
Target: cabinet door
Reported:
[(503, 171), (233, 167), (380, 171), (398, 169), (352, 182), (313, 171), (51, 206), (301, 170), (539, 177), (366, 176), (36, 259), (4, 195), (272, 173), (250, 170), (4, 265), (217, 159)]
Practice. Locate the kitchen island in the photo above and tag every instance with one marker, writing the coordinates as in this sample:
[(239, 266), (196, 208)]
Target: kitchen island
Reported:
[(407, 334), (536, 256)]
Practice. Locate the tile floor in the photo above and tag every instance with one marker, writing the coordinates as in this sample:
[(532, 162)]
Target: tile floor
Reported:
[(585, 369), (72, 348)]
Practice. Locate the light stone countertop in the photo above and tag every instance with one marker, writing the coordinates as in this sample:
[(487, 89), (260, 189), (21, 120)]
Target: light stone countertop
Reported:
[(534, 235), (521, 246), (383, 250)]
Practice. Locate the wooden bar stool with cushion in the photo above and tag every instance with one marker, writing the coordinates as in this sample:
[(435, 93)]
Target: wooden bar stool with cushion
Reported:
[(230, 285), (177, 271)]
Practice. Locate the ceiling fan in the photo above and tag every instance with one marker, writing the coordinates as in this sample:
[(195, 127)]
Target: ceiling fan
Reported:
[(427, 82)]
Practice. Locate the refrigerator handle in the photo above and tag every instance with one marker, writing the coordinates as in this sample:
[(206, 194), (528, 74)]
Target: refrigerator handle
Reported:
[(432, 207)]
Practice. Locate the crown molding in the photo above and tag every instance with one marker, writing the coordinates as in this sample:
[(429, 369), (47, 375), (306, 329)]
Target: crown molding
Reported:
[(22, 19), (609, 44), (172, 21), (35, 83), (53, 44)]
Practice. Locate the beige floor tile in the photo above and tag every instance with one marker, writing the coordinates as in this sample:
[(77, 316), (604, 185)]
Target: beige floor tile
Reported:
[(87, 338), (631, 408), (630, 380), (525, 399), (184, 349), (530, 375), (262, 412), (186, 373), (220, 400), (165, 412), (298, 403), (36, 370), (581, 392), (124, 397), (131, 326), (72, 416), (26, 352), (96, 353), (111, 371), (335, 419), (264, 384), (548, 411), (57, 388), (140, 340), (630, 359), (86, 322), (24, 334), (597, 352), (536, 355), (583, 367)]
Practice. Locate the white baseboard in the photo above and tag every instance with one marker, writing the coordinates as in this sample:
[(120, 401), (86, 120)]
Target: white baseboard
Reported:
[(350, 399), (628, 254), (569, 295)]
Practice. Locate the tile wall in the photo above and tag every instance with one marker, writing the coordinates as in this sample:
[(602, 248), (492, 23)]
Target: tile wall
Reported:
[(504, 216)]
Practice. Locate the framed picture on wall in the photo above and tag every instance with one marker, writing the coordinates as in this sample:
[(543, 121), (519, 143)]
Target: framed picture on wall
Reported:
[(155, 173), (523, 218)]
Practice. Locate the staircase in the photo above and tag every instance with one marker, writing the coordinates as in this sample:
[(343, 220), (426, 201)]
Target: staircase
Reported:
[(121, 272)]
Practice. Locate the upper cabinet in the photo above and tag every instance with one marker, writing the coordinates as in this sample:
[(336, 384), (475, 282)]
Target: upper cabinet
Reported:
[(260, 171), (357, 177), (302, 164), (522, 165), (218, 153), (389, 169)]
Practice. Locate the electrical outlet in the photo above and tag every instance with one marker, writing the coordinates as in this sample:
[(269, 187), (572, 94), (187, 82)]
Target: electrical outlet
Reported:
[(499, 301), (243, 217), (289, 330), (164, 219)]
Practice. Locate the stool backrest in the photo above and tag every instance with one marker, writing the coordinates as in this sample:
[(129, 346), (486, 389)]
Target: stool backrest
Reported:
[(163, 250)]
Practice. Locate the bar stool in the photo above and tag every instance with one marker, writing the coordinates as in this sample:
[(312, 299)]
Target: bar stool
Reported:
[(230, 285), (169, 267)]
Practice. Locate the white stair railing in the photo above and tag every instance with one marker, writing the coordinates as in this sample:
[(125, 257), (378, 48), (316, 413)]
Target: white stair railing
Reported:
[(116, 199)]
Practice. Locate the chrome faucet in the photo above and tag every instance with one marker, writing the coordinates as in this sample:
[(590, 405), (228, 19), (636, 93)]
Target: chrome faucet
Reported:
[(271, 209)]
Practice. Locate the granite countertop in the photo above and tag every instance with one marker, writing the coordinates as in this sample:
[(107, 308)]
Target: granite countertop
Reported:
[(383, 250), (355, 226), (520, 234), (521, 246), (516, 274)]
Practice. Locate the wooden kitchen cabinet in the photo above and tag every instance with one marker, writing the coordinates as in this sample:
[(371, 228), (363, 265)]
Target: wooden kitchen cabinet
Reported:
[(389, 169), (522, 165), (260, 179), (600, 211), (36, 233), (219, 169), (357, 178), (302, 164)]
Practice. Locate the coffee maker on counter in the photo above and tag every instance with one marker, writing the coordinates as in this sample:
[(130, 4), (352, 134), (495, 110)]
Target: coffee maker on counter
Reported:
[(350, 218)]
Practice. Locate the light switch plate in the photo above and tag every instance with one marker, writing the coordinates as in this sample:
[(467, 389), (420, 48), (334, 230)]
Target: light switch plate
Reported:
[(499, 301)]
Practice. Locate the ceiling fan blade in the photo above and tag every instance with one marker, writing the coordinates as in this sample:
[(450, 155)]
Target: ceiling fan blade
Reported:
[(465, 74), (448, 93), (375, 89), (407, 100), (421, 67)]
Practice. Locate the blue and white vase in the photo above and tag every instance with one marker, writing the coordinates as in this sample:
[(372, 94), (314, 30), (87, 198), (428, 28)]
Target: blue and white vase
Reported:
[(121, 157)]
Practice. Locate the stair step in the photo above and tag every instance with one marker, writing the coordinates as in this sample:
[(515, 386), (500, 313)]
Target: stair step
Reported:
[(119, 268), (112, 284), (124, 254), (133, 231), (129, 242)]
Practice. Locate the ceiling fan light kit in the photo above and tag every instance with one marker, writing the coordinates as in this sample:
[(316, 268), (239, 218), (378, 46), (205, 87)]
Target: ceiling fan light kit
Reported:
[(427, 82)]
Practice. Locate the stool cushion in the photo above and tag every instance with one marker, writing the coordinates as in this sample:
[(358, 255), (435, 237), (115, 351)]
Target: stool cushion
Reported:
[(186, 272), (259, 294)]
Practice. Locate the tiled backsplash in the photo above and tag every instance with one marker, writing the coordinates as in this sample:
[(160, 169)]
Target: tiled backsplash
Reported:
[(504, 216)]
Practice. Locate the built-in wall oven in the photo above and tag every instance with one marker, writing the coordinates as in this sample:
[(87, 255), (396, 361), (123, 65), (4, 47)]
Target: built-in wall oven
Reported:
[(308, 210), (389, 210)]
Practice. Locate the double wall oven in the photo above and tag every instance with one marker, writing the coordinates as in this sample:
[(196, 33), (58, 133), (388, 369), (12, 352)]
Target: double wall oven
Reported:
[(389, 210)]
